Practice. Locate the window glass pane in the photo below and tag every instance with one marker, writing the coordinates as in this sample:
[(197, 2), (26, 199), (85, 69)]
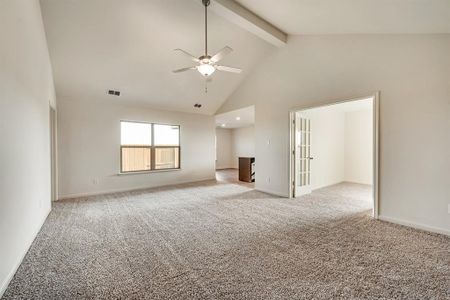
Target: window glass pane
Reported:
[(133, 133), (167, 158), (136, 159), (166, 135)]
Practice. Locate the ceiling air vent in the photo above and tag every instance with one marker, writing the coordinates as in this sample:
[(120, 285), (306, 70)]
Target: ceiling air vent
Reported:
[(114, 93)]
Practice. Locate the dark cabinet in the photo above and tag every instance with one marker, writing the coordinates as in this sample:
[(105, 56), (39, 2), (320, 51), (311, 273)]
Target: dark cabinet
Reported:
[(247, 169)]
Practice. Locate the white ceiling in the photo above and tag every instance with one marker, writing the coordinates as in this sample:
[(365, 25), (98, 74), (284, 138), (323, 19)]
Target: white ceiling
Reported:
[(229, 119), (354, 16), (96, 45)]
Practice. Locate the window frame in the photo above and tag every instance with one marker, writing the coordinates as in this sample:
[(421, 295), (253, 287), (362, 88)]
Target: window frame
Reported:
[(152, 149)]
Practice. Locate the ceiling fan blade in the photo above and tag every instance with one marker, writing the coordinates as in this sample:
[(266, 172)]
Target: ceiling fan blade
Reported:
[(221, 54), (228, 69), (192, 57), (184, 69)]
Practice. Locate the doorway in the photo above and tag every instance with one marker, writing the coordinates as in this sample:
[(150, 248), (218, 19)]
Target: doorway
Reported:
[(235, 146), (335, 144)]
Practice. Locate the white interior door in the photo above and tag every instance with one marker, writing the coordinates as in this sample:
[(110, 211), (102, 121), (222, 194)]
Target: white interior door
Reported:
[(302, 155)]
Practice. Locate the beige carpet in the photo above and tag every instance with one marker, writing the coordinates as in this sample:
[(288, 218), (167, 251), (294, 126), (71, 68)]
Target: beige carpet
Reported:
[(226, 241)]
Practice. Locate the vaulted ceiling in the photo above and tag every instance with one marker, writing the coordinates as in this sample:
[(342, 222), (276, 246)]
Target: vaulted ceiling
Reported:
[(298, 17), (97, 45)]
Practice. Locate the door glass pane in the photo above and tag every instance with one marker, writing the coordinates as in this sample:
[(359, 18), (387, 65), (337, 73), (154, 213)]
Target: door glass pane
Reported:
[(304, 135), (166, 135)]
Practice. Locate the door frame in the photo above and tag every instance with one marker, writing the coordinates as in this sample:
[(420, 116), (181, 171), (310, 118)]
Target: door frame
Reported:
[(376, 144), (53, 154)]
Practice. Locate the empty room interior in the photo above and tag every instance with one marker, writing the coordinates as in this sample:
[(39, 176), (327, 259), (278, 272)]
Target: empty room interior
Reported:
[(224, 149), (334, 148)]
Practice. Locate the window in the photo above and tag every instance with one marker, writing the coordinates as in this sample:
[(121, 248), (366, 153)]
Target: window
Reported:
[(147, 146)]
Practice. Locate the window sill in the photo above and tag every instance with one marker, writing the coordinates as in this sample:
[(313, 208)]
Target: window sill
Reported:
[(148, 172)]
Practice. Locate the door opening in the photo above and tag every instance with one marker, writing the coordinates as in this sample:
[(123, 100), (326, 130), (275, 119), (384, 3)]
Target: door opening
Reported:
[(336, 144), (235, 146)]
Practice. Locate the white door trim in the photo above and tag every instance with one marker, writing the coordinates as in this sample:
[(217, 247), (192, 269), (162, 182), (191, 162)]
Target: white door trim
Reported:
[(376, 143), (53, 154)]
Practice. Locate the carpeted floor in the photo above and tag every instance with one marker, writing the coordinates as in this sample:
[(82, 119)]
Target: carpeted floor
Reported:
[(232, 176), (227, 241)]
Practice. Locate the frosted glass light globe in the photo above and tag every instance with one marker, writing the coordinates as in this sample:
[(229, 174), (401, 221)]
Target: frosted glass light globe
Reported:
[(206, 69)]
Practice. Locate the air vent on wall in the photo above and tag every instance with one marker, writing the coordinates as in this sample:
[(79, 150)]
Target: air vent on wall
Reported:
[(114, 93)]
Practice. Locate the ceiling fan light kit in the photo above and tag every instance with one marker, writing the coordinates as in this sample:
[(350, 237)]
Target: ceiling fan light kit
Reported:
[(206, 69), (207, 64)]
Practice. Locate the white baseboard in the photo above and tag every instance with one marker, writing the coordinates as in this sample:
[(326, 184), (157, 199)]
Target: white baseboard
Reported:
[(415, 225), (272, 192), (6, 282), (105, 192)]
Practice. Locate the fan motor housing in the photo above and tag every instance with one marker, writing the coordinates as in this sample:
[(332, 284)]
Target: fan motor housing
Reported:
[(205, 58)]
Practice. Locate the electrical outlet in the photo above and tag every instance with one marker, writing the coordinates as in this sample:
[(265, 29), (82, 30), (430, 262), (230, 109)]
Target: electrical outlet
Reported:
[(95, 181), (268, 142), (268, 179)]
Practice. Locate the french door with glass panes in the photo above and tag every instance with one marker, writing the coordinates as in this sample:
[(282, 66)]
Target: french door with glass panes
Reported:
[(302, 155)]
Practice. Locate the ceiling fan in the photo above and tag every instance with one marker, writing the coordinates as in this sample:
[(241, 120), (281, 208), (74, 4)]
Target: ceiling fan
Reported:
[(207, 64)]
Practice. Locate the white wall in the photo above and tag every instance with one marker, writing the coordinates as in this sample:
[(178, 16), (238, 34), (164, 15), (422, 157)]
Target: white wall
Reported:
[(243, 140), (359, 146), (327, 146), (411, 71), (89, 147), (224, 149), (26, 89)]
